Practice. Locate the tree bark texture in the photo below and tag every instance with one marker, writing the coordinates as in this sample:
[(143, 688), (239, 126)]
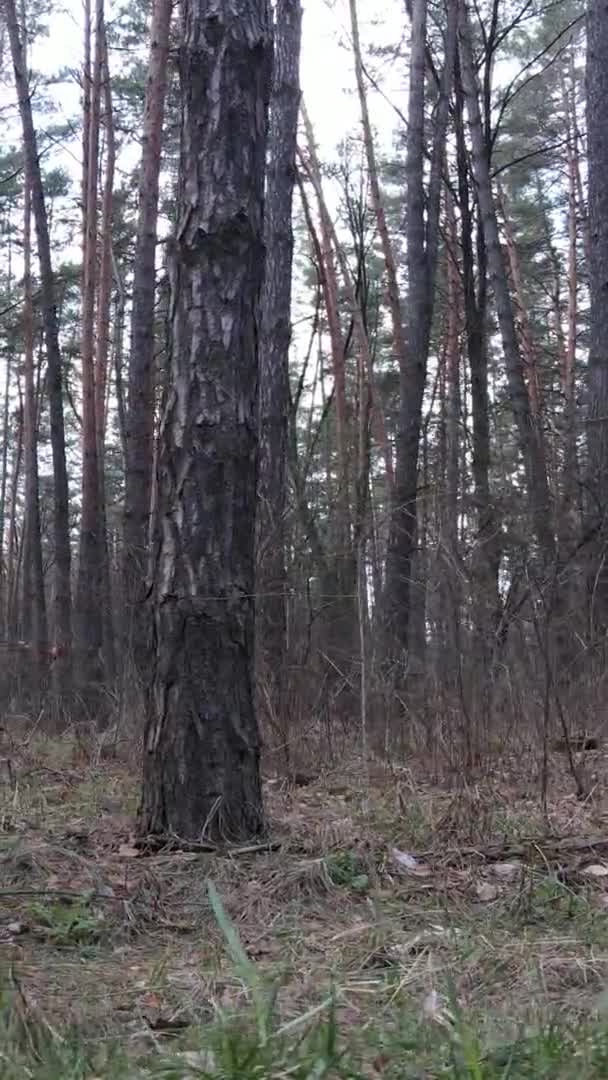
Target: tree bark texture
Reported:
[(201, 749), (274, 354), (140, 409)]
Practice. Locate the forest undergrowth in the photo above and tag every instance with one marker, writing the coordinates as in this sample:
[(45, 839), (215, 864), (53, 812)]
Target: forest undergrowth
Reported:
[(390, 926)]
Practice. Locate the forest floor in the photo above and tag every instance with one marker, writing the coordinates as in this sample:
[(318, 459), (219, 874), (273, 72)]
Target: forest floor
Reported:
[(396, 928)]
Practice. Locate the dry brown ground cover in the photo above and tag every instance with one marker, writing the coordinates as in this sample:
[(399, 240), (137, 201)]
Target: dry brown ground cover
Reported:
[(392, 927)]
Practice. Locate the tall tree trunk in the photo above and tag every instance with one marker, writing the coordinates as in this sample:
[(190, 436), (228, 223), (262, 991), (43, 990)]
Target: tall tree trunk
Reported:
[(140, 407), (570, 466), (13, 562), (61, 522), (597, 419), (33, 615), (531, 443), (88, 609), (104, 302), (271, 585), (422, 247), (393, 291), (201, 747), (526, 341), (4, 469), (324, 253)]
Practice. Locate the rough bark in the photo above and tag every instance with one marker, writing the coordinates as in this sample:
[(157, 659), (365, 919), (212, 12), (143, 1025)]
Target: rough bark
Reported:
[(274, 356), (597, 376), (61, 528), (201, 746), (140, 406)]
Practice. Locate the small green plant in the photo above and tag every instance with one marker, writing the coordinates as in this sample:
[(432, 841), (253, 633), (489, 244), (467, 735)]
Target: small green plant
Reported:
[(346, 869), (68, 923)]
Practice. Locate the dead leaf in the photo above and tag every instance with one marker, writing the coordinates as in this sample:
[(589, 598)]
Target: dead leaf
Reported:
[(596, 870), (126, 851), (404, 859), (508, 871), (409, 863), (486, 891), (16, 928)]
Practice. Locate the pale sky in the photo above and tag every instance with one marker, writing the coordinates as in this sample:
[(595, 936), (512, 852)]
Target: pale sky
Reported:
[(326, 67)]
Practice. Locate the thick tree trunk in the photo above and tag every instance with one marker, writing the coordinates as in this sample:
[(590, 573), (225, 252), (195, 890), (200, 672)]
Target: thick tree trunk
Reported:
[(597, 419), (140, 408), (61, 522), (275, 337), (201, 746), (530, 434)]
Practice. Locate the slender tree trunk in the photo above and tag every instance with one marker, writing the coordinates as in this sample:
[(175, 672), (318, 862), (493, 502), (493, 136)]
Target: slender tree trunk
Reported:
[(201, 748), (89, 600), (314, 174), (324, 253), (14, 541), (34, 623), (570, 466), (275, 337), (5, 442), (393, 291), (61, 524), (487, 608), (597, 376), (526, 342), (529, 432), (422, 247), (140, 408), (104, 302)]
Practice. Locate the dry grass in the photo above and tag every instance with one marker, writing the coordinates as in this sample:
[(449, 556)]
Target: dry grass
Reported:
[(120, 944)]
